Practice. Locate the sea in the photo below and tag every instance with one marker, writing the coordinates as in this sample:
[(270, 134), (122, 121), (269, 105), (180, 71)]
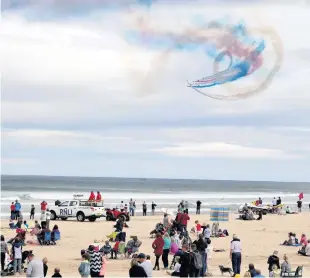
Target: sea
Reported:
[(165, 193)]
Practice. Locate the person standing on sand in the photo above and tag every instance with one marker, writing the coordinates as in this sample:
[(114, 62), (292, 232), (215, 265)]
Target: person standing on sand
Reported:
[(121, 207), (144, 208), (32, 212), (35, 267), (45, 266), (43, 206), (158, 246), (18, 208), (198, 205), (12, 207), (131, 207), (4, 251), (235, 254), (153, 208), (299, 205), (48, 218)]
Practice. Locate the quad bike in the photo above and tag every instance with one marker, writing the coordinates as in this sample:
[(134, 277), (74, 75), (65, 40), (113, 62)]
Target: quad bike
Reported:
[(113, 214)]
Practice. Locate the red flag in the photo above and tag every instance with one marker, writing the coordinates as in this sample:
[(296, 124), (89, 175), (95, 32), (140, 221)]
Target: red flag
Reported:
[(301, 195)]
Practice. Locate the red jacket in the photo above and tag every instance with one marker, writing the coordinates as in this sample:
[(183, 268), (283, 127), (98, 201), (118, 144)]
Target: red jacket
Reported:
[(92, 196), (158, 246), (98, 198), (184, 219), (12, 207), (43, 205)]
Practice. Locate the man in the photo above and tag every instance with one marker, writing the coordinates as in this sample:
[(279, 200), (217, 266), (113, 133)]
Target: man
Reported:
[(198, 205), (144, 208), (273, 260), (131, 207), (35, 267), (235, 254), (299, 205), (146, 264), (186, 207), (98, 197), (279, 201), (185, 261), (91, 196), (43, 219), (43, 206), (153, 208), (48, 218), (121, 207), (45, 266), (18, 208), (274, 202)]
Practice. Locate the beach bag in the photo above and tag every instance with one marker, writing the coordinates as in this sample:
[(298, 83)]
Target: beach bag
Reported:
[(197, 260)]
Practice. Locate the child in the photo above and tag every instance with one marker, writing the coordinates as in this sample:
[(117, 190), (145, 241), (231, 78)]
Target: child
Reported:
[(198, 228), (106, 249), (32, 211), (25, 226), (84, 268), (114, 251), (56, 273)]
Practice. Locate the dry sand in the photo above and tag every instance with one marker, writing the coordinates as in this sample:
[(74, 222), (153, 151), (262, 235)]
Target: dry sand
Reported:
[(259, 239)]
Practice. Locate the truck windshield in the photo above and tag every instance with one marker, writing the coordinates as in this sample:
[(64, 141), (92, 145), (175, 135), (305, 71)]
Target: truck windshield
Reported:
[(91, 204)]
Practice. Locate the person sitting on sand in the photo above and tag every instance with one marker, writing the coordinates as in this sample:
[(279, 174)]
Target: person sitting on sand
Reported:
[(176, 269), (136, 270), (41, 235), (252, 270), (275, 271), (291, 239), (305, 250), (273, 260), (285, 266), (106, 249), (56, 272), (303, 240), (133, 245)]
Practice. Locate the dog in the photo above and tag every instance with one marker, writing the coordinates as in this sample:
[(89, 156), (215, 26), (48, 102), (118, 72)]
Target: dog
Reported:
[(226, 270)]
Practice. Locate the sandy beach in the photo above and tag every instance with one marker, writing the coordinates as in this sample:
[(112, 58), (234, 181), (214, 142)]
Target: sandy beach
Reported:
[(259, 239)]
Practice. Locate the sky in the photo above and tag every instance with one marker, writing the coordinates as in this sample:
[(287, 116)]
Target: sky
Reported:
[(78, 99)]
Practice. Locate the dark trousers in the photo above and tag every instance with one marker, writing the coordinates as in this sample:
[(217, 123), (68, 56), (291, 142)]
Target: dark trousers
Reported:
[(184, 272), (113, 252), (194, 272), (16, 214), (94, 274), (32, 216), (157, 261), (197, 210), (165, 257), (2, 260), (236, 262), (13, 215), (144, 212)]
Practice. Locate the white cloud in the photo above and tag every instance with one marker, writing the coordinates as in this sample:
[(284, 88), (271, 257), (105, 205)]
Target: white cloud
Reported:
[(220, 149)]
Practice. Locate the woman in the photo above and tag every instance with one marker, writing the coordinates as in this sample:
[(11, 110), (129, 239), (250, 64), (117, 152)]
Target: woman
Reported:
[(166, 250), (136, 270), (285, 267), (4, 251), (303, 240), (174, 247), (95, 261), (54, 231), (158, 246)]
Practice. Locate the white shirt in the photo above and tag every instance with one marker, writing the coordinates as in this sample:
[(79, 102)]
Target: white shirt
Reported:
[(236, 247), (307, 249), (178, 242), (121, 206), (35, 269), (177, 267), (17, 252), (274, 202), (207, 233), (148, 267), (48, 215), (43, 216)]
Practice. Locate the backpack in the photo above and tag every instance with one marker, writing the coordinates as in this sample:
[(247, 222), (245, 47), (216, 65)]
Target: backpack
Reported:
[(197, 260)]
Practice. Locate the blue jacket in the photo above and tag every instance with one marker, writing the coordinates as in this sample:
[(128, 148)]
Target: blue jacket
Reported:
[(17, 206)]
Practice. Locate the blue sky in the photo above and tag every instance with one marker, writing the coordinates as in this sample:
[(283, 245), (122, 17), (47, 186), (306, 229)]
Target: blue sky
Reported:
[(78, 99)]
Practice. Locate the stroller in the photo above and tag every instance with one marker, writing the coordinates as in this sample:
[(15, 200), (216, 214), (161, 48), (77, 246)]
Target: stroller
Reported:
[(9, 270)]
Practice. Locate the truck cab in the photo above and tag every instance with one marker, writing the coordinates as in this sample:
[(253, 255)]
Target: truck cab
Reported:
[(78, 207)]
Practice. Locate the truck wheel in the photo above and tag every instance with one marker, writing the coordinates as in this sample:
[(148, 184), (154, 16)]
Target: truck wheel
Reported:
[(108, 218), (53, 215), (64, 218), (122, 217), (80, 217), (92, 219), (127, 217)]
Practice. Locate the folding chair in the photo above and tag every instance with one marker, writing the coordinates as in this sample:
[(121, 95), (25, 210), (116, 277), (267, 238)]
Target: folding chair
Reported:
[(47, 238)]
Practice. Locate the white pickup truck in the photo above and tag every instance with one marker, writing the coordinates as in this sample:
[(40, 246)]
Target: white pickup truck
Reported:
[(78, 207)]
